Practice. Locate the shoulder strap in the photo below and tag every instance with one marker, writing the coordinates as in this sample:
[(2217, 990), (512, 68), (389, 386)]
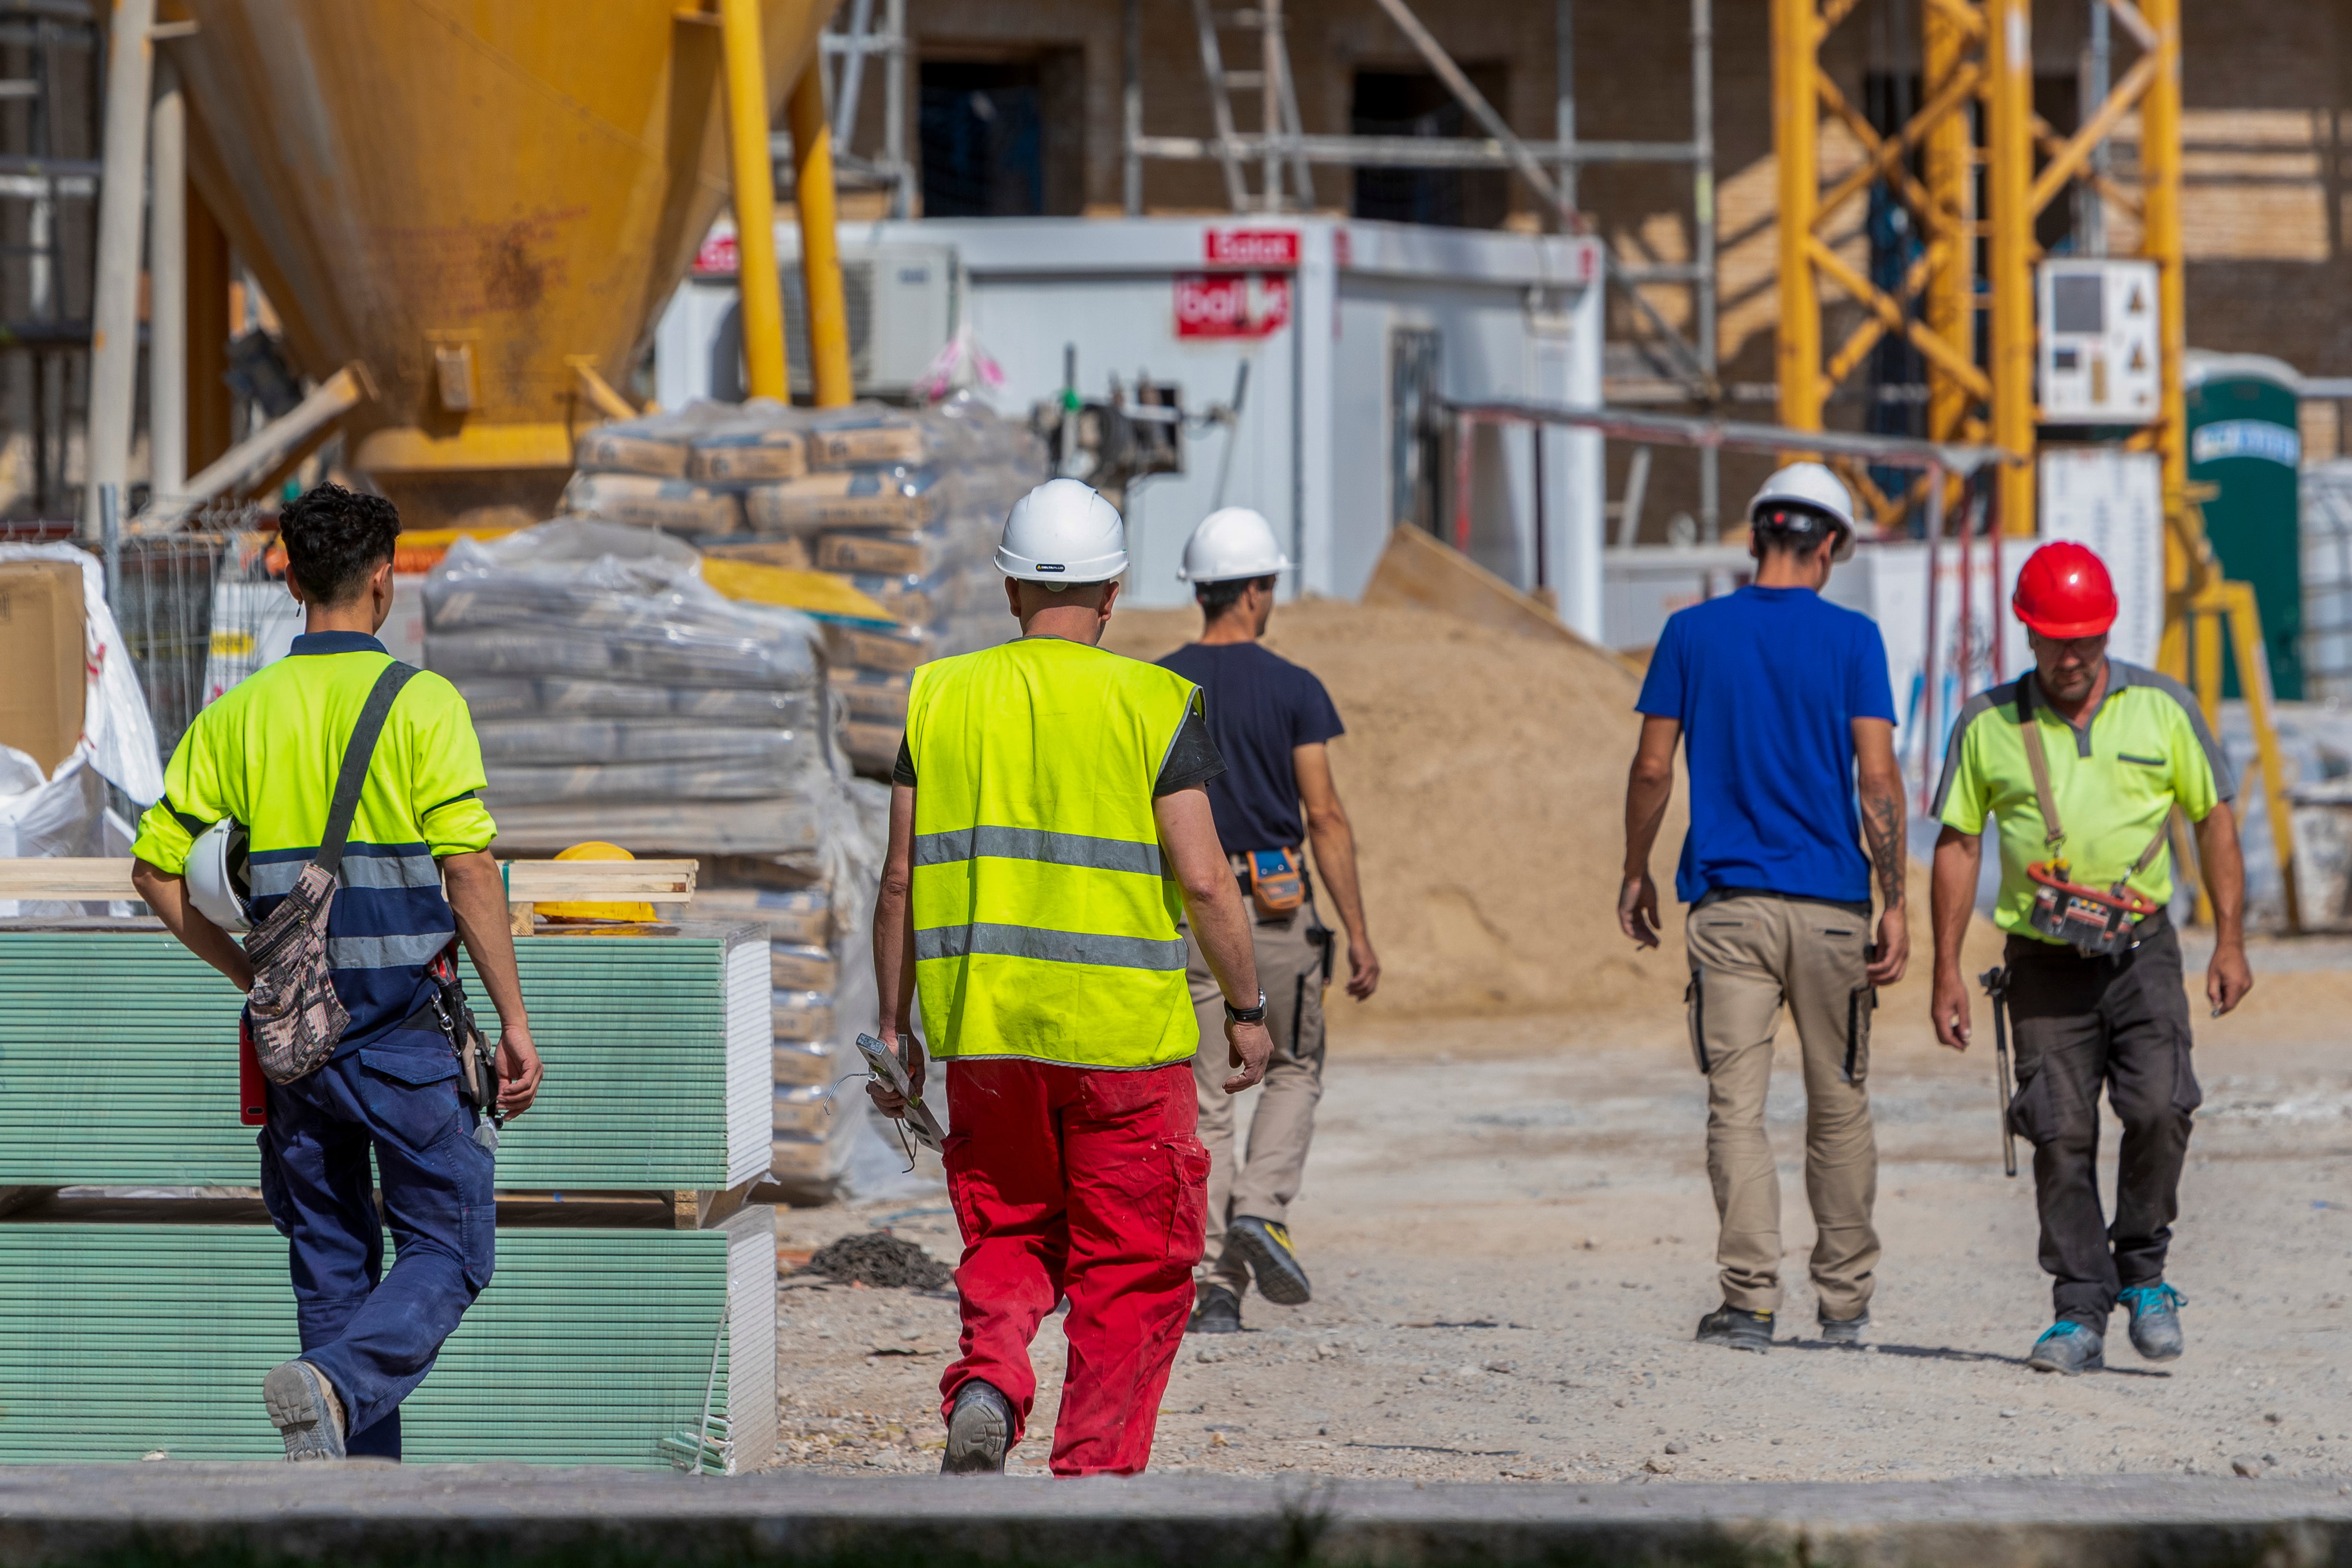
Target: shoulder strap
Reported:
[(2038, 761), (357, 755)]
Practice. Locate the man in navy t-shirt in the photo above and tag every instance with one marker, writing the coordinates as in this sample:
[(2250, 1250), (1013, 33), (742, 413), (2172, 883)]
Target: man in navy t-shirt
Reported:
[(1271, 722), (1782, 703)]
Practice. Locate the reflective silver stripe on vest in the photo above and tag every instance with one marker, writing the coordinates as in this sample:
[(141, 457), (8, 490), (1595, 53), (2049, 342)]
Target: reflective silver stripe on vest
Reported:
[(275, 879), (1035, 844), (1051, 946), (392, 952)]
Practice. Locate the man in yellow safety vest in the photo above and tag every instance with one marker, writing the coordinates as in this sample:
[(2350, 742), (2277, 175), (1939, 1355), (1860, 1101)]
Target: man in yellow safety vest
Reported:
[(1049, 830)]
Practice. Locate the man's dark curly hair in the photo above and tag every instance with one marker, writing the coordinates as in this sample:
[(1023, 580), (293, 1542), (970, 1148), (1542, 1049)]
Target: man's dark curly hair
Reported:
[(334, 538)]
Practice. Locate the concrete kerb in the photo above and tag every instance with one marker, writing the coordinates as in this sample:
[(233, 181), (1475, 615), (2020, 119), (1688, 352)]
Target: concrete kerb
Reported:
[(358, 1515)]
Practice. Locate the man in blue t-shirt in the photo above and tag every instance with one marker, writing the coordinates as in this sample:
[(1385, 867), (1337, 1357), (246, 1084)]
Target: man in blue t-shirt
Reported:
[(1271, 722), (1782, 703)]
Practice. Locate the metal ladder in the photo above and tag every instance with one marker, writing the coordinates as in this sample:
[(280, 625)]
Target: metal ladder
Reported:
[(1278, 121)]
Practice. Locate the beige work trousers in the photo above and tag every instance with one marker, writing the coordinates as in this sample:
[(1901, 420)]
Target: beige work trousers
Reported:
[(1262, 1180), (1750, 955)]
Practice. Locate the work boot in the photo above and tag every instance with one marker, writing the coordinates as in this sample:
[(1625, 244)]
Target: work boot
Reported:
[(1844, 1331), (2155, 1323), (1736, 1329), (1218, 1311), (2068, 1347), (1274, 1263), (304, 1409), (979, 1431)]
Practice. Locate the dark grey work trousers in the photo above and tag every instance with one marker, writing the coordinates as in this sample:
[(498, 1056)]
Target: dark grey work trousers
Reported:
[(2081, 1023)]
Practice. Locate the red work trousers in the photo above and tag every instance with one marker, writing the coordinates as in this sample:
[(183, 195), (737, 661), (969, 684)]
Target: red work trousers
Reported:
[(1091, 1185)]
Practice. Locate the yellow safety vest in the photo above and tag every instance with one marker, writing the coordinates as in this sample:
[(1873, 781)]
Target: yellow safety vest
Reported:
[(1046, 913)]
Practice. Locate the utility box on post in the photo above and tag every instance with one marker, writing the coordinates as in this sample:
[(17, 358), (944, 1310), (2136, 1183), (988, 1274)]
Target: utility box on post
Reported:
[(2098, 358)]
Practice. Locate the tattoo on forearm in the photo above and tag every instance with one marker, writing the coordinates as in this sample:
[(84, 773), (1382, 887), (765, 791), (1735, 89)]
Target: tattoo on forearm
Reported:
[(1882, 824)]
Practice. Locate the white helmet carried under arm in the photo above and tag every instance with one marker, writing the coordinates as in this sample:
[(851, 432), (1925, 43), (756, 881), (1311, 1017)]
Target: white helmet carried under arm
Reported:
[(1060, 533), (1232, 543), (1799, 496), (216, 878)]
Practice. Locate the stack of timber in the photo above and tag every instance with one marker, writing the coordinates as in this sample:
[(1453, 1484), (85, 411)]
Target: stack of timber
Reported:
[(143, 1292)]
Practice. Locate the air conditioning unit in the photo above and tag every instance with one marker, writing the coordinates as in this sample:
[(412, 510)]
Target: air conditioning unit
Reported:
[(901, 302)]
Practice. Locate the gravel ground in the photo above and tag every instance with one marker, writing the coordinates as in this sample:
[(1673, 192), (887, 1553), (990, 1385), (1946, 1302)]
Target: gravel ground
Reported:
[(1511, 1238)]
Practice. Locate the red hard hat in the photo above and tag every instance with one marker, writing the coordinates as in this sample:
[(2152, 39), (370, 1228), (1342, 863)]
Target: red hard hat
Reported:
[(2064, 591)]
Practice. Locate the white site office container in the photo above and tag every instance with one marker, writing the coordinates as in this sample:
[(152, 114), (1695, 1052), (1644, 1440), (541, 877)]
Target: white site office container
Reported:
[(1335, 319)]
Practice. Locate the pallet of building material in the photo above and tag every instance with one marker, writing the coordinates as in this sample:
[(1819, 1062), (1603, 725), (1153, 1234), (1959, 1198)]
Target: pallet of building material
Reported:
[(640, 500), (758, 444), (646, 1348), (119, 1062), (857, 498)]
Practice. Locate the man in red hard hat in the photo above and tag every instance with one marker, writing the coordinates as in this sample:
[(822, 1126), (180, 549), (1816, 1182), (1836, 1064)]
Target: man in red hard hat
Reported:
[(2081, 764)]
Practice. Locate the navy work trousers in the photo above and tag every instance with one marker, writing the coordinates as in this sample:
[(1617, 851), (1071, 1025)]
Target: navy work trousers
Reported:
[(375, 1334)]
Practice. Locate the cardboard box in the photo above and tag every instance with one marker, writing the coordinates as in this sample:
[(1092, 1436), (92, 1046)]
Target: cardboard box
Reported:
[(42, 639)]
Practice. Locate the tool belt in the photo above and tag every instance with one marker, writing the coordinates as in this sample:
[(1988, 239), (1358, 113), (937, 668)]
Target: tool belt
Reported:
[(1272, 880), (2097, 923), (449, 1015)]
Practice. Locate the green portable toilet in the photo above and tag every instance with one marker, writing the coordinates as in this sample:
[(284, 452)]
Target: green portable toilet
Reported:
[(2244, 439)]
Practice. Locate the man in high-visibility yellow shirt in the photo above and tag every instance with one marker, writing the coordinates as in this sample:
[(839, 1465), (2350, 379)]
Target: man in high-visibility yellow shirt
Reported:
[(1048, 829)]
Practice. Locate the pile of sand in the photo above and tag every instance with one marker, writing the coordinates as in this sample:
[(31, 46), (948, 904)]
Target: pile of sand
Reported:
[(1486, 777)]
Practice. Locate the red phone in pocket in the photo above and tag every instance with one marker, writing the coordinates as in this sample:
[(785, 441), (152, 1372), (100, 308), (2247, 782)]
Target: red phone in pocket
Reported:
[(252, 1089)]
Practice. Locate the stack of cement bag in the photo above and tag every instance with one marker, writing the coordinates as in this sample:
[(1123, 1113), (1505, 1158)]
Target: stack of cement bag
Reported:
[(904, 504), (619, 697)]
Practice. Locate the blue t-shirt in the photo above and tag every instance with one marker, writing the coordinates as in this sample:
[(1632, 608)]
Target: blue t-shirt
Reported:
[(1261, 706), (1767, 683)]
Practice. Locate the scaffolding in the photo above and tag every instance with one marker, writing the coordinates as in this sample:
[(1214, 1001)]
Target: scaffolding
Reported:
[(43, 191), (1283, 154)]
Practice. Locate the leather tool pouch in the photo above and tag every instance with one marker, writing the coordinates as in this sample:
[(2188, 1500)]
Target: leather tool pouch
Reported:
[(478, 1061), (1277, 881)]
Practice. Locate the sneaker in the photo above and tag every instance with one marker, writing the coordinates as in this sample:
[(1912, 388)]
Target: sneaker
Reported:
[(1218, 1311), (2068, 1347), (2155, 1323), (304, 1409), (1844, 1331), (1273, 1261), (979, 1431), (1735, 1329)]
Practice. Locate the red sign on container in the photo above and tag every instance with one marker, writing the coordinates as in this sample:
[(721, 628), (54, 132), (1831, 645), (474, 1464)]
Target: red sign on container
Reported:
[(1232, 304), (1252, 247), (718, 258)]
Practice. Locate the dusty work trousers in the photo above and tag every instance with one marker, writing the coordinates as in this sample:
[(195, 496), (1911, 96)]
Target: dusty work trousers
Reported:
[(2080, 1022), (1262, 1182), (1750, 955), (1086, 1184)]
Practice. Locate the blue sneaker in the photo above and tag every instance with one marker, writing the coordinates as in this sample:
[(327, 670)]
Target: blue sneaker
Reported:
[(2155, 1323), (2068, 1347)]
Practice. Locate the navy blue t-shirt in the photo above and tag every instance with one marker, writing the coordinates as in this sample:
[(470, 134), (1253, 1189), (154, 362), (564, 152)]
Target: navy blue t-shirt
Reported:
[(1767, 683), (1260, 707)]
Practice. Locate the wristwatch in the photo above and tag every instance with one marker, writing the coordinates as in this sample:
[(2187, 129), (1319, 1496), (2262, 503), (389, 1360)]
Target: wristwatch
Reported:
[(1247, 1015)]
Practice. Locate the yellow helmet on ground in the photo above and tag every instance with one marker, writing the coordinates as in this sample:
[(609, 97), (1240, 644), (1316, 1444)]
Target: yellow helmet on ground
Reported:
[(596, 850)]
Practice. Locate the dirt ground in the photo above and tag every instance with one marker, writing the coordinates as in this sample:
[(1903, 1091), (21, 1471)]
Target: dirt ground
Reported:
[(1510, 1230)]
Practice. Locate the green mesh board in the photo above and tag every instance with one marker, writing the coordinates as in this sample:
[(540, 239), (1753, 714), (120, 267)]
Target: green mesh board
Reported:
[(590, 1347)]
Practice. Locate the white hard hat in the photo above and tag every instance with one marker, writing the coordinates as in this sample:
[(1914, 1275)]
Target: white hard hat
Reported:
[(217, 878), (1232, 542), (1810, 487), (1061, 532)]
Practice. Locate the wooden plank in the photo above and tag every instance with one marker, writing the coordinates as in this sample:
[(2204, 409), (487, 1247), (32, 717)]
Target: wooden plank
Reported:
[(527, 881)]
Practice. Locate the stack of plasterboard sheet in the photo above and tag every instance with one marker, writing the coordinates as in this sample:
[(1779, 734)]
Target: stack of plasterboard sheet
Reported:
[(590, 1347), (119, 1062)]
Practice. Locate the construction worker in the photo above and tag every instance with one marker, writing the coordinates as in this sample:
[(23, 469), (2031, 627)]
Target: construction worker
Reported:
[(415, 872), (2081, 764), (1272, 722), (1049, 830), (1781, 703)]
